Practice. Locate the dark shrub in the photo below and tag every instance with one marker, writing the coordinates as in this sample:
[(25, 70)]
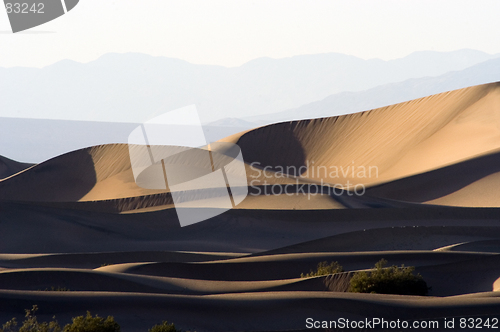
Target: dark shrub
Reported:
[(31, 324), (164, 327), (324, 269), (92, 324), (389, 280)]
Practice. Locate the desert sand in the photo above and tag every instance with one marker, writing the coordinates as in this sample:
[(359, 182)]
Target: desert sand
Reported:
[(79, 223)]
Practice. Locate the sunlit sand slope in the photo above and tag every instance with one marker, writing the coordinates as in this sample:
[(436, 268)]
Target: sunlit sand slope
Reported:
[(395, 141)]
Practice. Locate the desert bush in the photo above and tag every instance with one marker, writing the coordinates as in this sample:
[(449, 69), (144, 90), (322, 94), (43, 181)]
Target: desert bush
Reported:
[(80, 324), (324, 269), (164, 327), (31, 324), (92, 324), (389, 280), (10, 326)]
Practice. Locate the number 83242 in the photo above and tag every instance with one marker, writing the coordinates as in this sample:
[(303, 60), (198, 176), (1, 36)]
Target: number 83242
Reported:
[(24, 8)]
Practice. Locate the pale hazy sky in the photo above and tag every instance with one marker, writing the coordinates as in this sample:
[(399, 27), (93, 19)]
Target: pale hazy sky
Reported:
[(230, 33)]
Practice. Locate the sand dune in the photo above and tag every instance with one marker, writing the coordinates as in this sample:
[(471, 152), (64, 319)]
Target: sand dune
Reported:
[(105, 281), (268, 311), (10, 167), (95, 260), (479, 246), (468, 276), (100, 172), (56, 230), (402, 238), (79, 221), (286, 266), (379, 146), (400, 140), (496, 285), (473, 182)]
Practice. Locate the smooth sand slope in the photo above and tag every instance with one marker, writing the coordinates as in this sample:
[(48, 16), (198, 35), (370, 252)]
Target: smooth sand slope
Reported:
[(289, 266), (449, 238), (56, 230)]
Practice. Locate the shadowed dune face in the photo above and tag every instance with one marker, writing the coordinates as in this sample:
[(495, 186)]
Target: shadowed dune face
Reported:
[(96, 173), (273, 146), (464, 277), (10, 167), (65, 178), (470, 183)]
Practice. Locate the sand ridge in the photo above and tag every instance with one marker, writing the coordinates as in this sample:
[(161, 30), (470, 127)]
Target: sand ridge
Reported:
[(415, 141)]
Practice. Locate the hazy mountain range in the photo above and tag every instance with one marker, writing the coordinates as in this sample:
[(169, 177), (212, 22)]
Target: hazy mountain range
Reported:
[(133, 87), (126, 89), (387, 94)]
